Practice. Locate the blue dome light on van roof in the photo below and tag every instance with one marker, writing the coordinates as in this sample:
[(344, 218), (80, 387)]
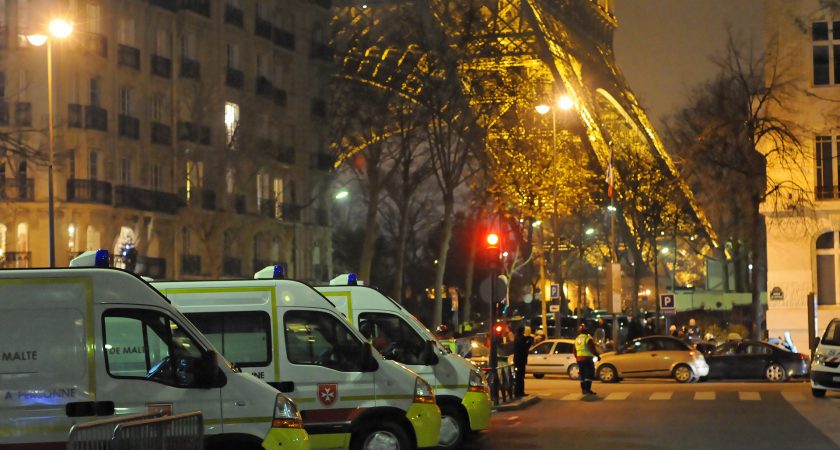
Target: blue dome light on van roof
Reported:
[(102, 259), (352, 279), (279, 272)]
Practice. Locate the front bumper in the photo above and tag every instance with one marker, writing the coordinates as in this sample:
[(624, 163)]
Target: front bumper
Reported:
[(701, 368), (478, 406), (425, 419), (825, 380), (286, 439)]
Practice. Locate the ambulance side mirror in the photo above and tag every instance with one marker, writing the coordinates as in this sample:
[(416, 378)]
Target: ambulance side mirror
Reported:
[(369, 363), (429, 355)]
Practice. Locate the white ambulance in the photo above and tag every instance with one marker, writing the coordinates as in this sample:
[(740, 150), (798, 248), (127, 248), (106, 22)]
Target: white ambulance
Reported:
[(461, 392), (286, 333), (825, 368), (77, 344)]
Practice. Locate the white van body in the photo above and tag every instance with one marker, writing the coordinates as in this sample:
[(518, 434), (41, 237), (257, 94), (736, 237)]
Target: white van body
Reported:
[(287, 334), (825, 367), (461, 392), (85, 343)]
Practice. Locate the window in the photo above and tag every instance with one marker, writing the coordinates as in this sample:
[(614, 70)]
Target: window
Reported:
[(195, 177), (757, 349), (125, 101), (828, 263), (262, 186), (185, 240), (125, 34), (160, 111), (243, 337), (125, 171), (94, 17), (832, 333), (71, 238), (671, 345), (321, 339), (232, 56), (71, 164), (22, 237), (155, 177), (162, 43), (146, 344), (563, 348), (393, 337), (95, 92), (826, 169), (230, 180), (262, 67), (728, 349), (93, 163), (231, 124), (542, 349), (227, 243), (646, 345), (188, 46), (826, 52), (278, 197)]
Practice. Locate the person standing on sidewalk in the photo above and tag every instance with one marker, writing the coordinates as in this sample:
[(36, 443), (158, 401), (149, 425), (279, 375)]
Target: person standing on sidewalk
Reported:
[(521, 345), (585, 353)]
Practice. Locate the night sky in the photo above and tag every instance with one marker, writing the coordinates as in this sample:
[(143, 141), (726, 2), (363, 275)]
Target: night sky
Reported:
[(664, 46)]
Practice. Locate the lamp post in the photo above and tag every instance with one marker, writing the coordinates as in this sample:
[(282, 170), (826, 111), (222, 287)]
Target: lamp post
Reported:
[(60, 29)]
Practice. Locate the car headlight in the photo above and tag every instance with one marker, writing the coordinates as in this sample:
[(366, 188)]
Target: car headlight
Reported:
[(477, 383), (286, 414), (819, 359), (423, 392), (595, 359)]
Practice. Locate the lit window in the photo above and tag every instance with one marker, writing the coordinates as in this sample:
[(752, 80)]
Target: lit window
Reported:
[(231, 124)]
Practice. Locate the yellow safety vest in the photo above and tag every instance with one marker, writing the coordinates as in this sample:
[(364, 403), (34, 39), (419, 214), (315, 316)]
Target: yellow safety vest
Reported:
[(582, 345)]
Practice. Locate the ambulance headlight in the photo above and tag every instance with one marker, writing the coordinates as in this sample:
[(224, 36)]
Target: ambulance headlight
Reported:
[(477, 383), (423, 392), (819, 359), (286, 414)]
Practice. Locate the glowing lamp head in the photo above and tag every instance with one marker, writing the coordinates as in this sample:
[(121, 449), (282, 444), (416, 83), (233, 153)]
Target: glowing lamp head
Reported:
[(37, 39), (542, 109), (565, 103), (61, 28), (492, 240)]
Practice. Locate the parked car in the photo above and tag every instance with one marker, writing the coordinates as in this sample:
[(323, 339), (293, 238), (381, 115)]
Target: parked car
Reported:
[(757, 360), (653, 356), (555, 356), (825, 371)]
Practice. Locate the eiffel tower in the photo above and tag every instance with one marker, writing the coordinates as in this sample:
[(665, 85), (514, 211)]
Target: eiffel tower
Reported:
[(564, 45)]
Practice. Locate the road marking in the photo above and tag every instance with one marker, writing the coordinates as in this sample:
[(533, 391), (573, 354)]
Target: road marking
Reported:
[(572, 397), (793, 397), (749, 396), (704, 396), (617, 396), (661, 395), (513, 418)]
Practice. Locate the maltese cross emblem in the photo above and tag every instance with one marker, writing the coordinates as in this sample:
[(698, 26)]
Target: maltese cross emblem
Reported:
[(327, 393)]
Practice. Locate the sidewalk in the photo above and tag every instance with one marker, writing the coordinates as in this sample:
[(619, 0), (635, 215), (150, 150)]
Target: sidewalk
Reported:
[(517, 403)]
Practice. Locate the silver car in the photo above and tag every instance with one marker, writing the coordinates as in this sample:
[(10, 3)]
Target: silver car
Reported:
[(555, 356), (653, 356)]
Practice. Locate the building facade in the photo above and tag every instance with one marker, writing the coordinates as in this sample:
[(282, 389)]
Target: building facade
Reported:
[(803, 244), (191, 130)]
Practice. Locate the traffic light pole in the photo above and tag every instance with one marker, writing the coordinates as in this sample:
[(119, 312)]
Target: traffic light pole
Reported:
[(494, 260)]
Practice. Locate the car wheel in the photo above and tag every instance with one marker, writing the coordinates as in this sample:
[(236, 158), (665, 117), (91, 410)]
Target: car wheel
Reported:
[(539, 375), (453, 427), (381, 436), (607, 374), (573, 372), (683, 374), (775, 373), (818, 393)]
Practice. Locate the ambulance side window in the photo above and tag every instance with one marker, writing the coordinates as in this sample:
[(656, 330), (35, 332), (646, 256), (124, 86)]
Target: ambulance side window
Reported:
[(143, 344), (392, 337), (243, 337), (320, 339)]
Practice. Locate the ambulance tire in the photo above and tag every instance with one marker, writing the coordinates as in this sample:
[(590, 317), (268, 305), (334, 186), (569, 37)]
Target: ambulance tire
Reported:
[(379, 434), (229, 441), (454, 424)]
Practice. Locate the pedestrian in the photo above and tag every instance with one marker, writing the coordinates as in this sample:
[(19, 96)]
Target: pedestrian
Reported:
[(585, 353), (521, 345), (673, 330), (693, 332), (540, 336)]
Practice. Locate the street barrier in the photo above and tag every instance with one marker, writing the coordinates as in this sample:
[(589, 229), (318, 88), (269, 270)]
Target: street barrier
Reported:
[(501, 382), (140, 431)]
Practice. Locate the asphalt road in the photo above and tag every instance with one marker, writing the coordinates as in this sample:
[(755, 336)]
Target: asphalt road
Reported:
[(661, 414)]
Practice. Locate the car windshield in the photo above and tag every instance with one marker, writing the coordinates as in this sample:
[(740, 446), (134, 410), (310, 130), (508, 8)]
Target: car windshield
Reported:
[(832, 333)]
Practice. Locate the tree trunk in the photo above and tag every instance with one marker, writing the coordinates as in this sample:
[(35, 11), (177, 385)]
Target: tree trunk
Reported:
[(369, 242), (443, 250), (756, 261), (402, 243), (466, 303)]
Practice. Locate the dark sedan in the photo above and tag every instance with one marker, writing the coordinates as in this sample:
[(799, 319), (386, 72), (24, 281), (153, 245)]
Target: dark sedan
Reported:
[(756, 360)]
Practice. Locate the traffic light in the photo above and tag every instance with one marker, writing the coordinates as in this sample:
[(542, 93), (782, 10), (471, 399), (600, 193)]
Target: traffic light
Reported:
[(492, 241)]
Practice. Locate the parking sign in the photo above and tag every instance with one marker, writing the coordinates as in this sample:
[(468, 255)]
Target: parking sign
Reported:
[(555, 291), (667, 304)]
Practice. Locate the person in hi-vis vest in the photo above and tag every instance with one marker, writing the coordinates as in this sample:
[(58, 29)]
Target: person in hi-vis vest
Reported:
[(585, 353)]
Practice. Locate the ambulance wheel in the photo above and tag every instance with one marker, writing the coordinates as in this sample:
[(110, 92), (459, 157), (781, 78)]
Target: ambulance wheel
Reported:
[(453, 427), (818, 393), (381, 436), (539, 375)]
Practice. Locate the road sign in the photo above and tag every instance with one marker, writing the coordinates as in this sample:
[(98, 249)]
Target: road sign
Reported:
[(554, 308), (555, 291), (667, 304)]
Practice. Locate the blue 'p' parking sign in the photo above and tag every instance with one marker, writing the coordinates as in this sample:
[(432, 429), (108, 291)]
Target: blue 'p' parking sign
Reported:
[(667, 303)]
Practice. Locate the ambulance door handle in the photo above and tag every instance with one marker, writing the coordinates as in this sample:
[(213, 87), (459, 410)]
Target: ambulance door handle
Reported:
[(240, 403)]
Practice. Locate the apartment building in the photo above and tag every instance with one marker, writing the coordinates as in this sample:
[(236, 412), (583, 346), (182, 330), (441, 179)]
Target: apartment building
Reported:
[(191, 130), (803, 242)]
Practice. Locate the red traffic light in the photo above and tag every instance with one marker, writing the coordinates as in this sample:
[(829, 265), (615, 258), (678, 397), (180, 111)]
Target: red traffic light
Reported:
[(492, 241), (498, 329)]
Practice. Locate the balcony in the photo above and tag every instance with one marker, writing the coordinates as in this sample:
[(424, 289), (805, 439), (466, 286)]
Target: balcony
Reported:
[(283, 38), (234, 16), (74, 115), (201, 7), (16, 260), (319, 108), (145, 200), (190, 264), (96, 44), (264, 87), (286, 155), (23, 114), (234, 78), (190, 68), (827, 192), (89, 191), (321, 51), (324, 161), (208, 199), (262, 28), (267, 208), (128, 126), (128, 57), (231, 267), (96, 118), (290, 212), (239, 204), (161, 66), (280, 97), (170, 5), (17, 189), (161, 134)]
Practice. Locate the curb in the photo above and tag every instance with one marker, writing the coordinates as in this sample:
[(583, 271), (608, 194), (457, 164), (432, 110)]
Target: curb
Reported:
[(520, 403)]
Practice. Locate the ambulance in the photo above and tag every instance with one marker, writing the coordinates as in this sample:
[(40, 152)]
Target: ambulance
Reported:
[(86, 343), (461, 392), (825, 367), (287, 334)]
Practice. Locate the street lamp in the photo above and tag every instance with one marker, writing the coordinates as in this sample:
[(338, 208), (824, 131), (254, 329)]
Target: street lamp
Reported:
[(59, 29)]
